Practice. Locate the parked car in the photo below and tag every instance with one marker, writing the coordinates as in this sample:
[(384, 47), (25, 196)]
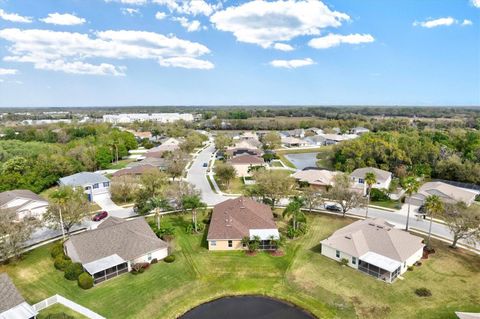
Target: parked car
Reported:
[(333, 208), (205, 164), (99, 216)]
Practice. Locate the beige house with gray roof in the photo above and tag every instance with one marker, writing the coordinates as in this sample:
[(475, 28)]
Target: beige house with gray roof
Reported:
[(375, 247), (447, 193), (384, 178), (113, 247), (12, 304), (24, 203)]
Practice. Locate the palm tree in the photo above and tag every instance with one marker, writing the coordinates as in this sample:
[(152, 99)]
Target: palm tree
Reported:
[(294, 209), (61, 196), (193, 202), (370, 179), (156, 204), (433, 206), (410, 185)]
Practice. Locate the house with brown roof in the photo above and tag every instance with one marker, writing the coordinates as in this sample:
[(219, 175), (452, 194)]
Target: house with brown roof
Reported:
[(447, 193), (12, 304), (319, 178), (244, 163), (237, 218), (374, 247), (245, 146), (114, 247), (135, 170), (24, 203)]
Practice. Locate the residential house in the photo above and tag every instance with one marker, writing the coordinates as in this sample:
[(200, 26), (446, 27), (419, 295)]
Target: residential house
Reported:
[(143, 117), (137, 170), (93, 184), (315, 130), (249, 146), (293, 142), (244, 163), (384, 178), (467, 315), (249, 135), (317, 140), (168, 145), (237, 218), (375, 247), (359, 130), (114, 247), (319, 178), (299, 133), (157, 162), (24, 203), (12, 304), (447, 193), (332, 139)]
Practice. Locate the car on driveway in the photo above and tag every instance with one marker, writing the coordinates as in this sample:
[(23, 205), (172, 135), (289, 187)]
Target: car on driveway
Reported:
[(99, 216), (333, 208)]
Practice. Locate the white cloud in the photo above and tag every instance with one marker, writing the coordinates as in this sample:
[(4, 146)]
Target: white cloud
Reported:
[(63, 19), (291, 64), (131, 2), (283, 47), (476, 3), (436, 22), (160, 15), (69, 52), (130, 11), (333, 40), (467, 22), (8, 71), (264, 23), (13, 17), (189, 7), (191, 26)]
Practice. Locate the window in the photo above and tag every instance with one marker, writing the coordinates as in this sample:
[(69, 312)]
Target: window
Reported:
[(354, 260), (230, 244), (361, 181), (95, 185), (337, 253), (404, 264), (149, 256), (213, 243), (87, 188), (106, 184)]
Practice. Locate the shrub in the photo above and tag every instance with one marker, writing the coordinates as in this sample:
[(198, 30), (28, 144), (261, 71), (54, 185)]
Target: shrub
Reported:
[(418, 263), (169, 259), (410, 268), (154, 261), (85, 281), (73, 271), (57, 250), (378, 195), (139, 268), (62, 262), (344, 261), (423, 292)]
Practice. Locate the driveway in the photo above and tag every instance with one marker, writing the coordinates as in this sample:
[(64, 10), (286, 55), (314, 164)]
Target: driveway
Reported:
[(106, 203), (197, 176)]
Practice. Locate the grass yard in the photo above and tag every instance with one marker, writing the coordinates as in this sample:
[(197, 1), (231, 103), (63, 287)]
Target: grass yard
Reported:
[(236, 186), (392, 204), (121, 164), (303, 276), (276, 164), (58, 311)]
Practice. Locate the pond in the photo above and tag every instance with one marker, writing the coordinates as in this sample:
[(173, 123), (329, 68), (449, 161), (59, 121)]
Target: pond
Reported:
[(303, 160), (246, 307)]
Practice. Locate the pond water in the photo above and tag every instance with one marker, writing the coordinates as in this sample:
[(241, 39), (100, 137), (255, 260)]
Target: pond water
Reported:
[(246, 307), (303, 160)]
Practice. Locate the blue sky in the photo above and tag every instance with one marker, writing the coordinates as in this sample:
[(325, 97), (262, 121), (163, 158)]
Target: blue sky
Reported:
[(224, 52)]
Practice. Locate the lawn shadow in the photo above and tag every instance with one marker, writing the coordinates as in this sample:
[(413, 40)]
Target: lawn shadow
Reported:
[(317, 249)]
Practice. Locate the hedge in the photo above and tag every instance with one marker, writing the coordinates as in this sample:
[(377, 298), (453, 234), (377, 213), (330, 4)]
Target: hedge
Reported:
[(62, 262), (85, 281), (169, 259), (73, 271)]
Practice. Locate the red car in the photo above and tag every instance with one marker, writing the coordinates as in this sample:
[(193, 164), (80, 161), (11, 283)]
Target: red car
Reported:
[(99, 216)]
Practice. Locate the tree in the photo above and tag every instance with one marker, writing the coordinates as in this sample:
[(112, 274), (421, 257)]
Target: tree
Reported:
[(222, 141), (225, 172), (176, 163), (67, 208), (273, 184), (157, 204), (177, 190), (271, 140), (294, 209), (192, 141), (463, 222), (123, 188), (252, 243), (411, 186), (14, 233), (370, 180), (153, 182), (434, 207), (312, 197), (342, 194), (193, 203)]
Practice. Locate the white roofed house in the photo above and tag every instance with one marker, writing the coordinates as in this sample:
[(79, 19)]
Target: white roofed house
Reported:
[(24, 203), (290, 141), (447, 193), (375, 247), (359, 130), (319, 178), (384, 178), (93, 184), (114, 247), (317, 140), (12, 304)]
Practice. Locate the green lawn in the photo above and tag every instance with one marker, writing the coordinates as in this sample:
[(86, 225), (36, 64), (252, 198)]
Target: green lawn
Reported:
[(121, 164), (57, 311), (236, 186), (276, 164), (303, 276), (392, 204)]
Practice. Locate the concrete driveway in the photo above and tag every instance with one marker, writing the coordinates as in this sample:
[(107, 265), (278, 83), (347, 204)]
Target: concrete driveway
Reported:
[(106, 203)]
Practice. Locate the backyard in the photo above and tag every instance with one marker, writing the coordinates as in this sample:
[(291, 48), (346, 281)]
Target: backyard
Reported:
[(302, 277)]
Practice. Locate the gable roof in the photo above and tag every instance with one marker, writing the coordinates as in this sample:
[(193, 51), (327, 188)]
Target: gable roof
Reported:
[(127, 239), (9, 295), (154, 161), (376, 236), (83, 178), (249, 144), (234, 218), (8, 196), (320, 177), (446, 192), (135, 170), (380, 174), (246, 159)]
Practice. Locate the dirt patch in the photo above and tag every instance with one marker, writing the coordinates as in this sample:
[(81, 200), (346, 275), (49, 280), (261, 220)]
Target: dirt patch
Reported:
[(277, 253)]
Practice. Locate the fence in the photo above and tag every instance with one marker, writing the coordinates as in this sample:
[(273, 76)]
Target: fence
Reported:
[(67, 303)]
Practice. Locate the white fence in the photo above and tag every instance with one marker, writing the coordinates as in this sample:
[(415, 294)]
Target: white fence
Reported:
[(67, 303)]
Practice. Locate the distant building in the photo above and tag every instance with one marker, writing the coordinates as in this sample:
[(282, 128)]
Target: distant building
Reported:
[(93, 184), (168, 145), (237, 218), (12, 304), (317, 140), (447, 193), (332, 139), (293, 142), (359, 130), (319, 178), (384, 178), (24, 203), (157, 162), (114, 246), (244, 163), (299, 133), (143, 117), (247, 146), (135, 171), (374, 247)]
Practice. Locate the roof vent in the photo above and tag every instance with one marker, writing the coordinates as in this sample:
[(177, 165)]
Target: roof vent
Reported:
[(348, 237)]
